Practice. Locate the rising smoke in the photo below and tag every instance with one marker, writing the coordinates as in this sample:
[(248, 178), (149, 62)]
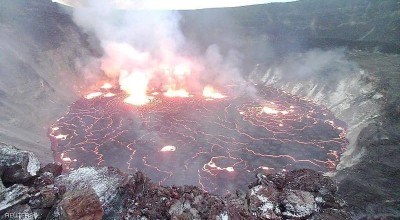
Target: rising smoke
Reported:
[(317, 63), (146, 49)]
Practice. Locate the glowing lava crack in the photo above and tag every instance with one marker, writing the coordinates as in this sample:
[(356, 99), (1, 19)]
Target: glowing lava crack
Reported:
[(216, 142)]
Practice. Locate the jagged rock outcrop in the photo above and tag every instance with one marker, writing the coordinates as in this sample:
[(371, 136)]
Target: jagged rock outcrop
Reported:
[(13, 195), (17, 166), (107, 193), (78, 204)]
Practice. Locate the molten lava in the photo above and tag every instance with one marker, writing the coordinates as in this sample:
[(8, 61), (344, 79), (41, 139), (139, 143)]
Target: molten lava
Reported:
[(177, 93), (272, 111), (106, 86), (217, 144), (210, 92), (135, 84), (93, 95), (168, 148), (109, 94)]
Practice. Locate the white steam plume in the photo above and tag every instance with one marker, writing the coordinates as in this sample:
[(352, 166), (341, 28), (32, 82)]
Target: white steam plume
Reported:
[(150, 45)]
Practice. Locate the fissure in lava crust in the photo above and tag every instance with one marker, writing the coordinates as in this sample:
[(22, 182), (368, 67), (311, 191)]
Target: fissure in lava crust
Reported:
[(217, 144)]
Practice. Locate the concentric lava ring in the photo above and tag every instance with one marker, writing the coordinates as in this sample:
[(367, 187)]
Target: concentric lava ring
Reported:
[(218, 144)]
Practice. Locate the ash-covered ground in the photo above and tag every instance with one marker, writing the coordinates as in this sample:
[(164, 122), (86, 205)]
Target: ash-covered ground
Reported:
[(216, 144)]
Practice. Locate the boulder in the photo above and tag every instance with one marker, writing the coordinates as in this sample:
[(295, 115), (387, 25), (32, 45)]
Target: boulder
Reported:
[(264, 202), (17, 166), (236, 207), (80, 204), (298, 204), (45, 198), (44, 179), (182, 209), (105, 181), (54, 168), (13, 195)]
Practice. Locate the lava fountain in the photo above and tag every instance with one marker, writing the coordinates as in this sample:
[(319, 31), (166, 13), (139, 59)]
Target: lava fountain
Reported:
[(213, 139)]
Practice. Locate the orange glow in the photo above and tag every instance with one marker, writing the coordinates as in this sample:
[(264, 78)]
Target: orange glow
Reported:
[(269, 110), (110, 94), (106, 86), (177, 93), (135, 84), (61, 137), (93, 95), (210, 92), (272, 111), (66, 159), (229, 169), (168, 148)]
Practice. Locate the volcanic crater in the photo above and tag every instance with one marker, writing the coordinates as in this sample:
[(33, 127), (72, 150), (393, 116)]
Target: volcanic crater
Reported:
[(216, 143)]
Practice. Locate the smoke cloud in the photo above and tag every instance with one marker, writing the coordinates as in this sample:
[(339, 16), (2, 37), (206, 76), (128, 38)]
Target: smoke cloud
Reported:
[(148, 48), (174, 4), (317, 63)]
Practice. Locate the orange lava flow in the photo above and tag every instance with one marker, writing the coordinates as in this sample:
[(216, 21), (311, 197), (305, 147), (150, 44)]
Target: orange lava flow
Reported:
[(215, 143)]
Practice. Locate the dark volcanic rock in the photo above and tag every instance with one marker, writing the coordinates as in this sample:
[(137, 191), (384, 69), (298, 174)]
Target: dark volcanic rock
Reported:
[(182, 209), (362, 24), (106, 193), (2, 187), (45, 198), (13, 195), (298, 204), (44, 179), (332, 214), (40, 214), (309, 180), (237, 207), (53, 168), (105, 181), (80, 204), (371, 187), (264, 202), (17, 166)]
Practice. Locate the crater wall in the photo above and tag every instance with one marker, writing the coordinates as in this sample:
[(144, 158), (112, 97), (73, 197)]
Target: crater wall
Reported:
[(353, 98)]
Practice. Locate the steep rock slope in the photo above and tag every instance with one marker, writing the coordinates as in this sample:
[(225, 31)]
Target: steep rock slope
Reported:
[(367, 100), (359, 24), (39, 47)]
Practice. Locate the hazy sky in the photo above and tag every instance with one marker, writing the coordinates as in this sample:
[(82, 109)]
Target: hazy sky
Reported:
[(177, 4)]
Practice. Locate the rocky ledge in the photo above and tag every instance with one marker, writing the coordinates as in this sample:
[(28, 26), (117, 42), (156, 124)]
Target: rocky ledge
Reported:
[(28, 191)]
